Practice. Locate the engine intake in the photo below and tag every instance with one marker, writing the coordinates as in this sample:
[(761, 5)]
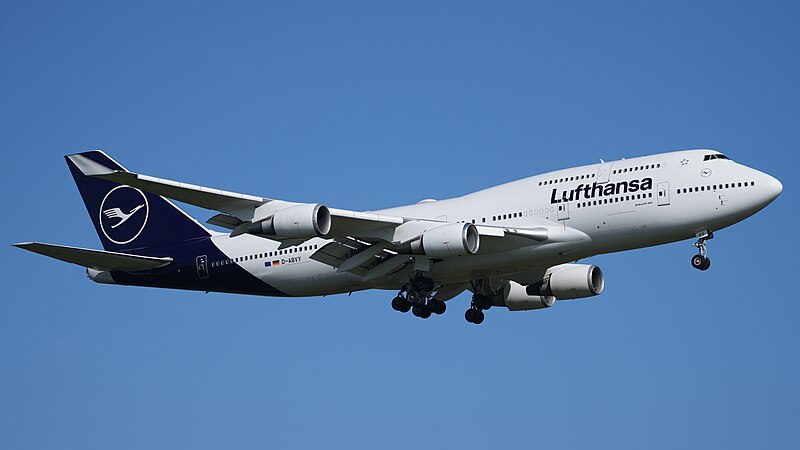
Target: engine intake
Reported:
[(302, 221), (446, 241)]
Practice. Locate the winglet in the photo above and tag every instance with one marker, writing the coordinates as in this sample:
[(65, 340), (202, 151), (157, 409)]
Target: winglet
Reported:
[(89, 167)]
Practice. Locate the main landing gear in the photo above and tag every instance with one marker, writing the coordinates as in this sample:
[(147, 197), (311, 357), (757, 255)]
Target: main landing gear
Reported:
[(701, 261), (479, 303), (416, 297)]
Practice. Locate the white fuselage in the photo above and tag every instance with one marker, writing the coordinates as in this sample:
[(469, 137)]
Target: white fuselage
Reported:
[(618, 205)]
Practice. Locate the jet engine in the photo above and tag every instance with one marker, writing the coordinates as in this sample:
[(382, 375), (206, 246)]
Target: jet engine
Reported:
[(516, 298), (301, 221), (569, 281), (446, 241)]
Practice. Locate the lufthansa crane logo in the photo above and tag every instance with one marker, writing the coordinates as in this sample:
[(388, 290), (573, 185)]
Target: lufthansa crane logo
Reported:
[(123, 214)]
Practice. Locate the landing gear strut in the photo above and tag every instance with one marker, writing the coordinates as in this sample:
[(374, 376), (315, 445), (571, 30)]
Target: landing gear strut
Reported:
[(701, 261), (480, 302)]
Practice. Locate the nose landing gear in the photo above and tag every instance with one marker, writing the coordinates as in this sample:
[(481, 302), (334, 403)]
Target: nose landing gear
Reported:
[(701, 261)]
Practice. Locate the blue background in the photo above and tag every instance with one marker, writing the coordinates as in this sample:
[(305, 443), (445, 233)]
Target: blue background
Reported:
[(370, 105)]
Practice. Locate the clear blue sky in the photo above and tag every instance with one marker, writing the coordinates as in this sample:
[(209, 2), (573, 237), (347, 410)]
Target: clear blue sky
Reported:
[(370, 105)]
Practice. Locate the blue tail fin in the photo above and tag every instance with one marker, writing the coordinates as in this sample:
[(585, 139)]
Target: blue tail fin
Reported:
[(128, 219)]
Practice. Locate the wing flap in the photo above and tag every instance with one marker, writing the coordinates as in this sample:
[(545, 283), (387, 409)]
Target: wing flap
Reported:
[(334, 254), (95, 259), (225, 221)]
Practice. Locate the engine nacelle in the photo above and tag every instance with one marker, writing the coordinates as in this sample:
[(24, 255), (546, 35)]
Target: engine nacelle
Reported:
[(569, 281), (516, 298), (301, 221), (446, 241)]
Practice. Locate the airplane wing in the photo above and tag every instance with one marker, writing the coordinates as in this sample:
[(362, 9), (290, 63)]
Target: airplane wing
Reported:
[(237, 208), (215, 199), (95, 259)]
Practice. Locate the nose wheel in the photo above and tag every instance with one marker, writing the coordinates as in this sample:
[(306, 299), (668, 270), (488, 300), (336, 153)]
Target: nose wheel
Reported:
[(701, 261)]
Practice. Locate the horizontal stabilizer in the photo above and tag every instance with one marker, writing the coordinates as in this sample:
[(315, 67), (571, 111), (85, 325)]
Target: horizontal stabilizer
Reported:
[(95, 259)]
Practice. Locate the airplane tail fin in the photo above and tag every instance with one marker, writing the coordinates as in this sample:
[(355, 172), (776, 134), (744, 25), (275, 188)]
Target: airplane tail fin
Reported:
[(128, 219)]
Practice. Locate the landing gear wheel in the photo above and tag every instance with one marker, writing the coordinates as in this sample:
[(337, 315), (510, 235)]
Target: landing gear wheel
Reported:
[(414, 298), (437, 306), (474, 316), (421, 311), (701, 262), (400, 304)]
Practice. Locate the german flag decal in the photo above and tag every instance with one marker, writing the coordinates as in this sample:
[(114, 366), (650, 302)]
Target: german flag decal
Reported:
[(273, 263)]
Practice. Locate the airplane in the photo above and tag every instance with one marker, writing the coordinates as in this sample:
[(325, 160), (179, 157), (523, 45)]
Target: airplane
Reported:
[(515, 245)]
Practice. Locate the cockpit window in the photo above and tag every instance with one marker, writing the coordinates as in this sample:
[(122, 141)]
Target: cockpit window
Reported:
[(715, 156)]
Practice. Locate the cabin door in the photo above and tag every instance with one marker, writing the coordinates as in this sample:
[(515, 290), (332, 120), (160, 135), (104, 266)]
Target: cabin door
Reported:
[(563, 211), (663, 194), (604, 172), (202, 266)]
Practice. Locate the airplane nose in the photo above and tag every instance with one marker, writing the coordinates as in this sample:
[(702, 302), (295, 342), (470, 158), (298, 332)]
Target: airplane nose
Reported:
[(774, 187)]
